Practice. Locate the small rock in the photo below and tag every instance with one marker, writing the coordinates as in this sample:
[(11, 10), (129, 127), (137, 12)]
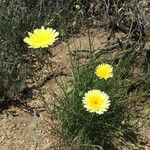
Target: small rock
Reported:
[(143, 142)]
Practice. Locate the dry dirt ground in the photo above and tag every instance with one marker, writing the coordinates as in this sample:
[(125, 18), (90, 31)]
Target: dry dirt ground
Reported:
[(17, 125)]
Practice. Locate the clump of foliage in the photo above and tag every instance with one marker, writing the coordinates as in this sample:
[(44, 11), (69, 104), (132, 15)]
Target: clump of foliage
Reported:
[(128, 16), (79, 126), (13, 72)]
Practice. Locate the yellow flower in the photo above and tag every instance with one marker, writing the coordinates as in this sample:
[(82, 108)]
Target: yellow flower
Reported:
[(104, 71), (96, 101), (41, 38)]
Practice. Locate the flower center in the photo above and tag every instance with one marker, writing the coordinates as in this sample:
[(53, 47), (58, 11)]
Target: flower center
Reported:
[(105, 72), (95, 102)]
